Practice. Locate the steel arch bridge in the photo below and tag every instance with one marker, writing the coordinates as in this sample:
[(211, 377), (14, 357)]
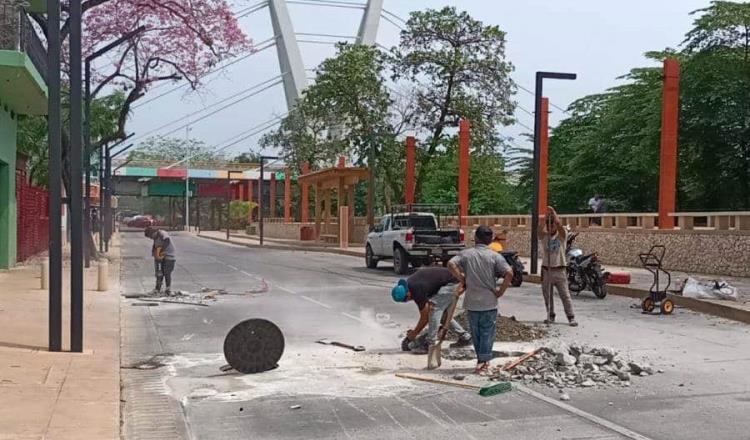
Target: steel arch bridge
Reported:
[(290, 58)]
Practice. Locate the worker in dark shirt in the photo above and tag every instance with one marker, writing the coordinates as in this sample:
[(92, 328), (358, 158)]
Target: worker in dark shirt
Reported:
[(433, 290)]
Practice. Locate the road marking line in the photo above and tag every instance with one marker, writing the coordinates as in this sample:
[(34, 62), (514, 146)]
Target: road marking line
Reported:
[(231, 267), (583, 414), (351, 316), (247, 273), (285, 289), (316, 302)]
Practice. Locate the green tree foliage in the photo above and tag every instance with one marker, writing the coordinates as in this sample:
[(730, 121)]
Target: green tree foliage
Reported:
[(239, 212), (457, 67), (174, 149), (610, 143), (489, 190), (32, 133)]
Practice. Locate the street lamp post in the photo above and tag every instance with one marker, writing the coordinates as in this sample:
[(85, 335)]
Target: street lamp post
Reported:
[(87, 130), (187, 180), (540, 77), (54, 140), (102, 181)]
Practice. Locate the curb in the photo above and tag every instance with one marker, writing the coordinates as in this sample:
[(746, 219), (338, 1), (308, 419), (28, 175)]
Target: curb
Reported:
[(708, 307), (286, 248)]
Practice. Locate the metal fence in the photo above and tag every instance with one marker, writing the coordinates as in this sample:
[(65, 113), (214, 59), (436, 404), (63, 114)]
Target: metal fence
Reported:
[(32, 213), (17, 32)]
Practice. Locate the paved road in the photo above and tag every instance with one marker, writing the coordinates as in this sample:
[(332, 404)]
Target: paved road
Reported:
[(180, 393)]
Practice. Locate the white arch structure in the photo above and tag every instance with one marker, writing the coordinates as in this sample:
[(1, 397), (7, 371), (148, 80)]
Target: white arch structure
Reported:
[(290, 58)]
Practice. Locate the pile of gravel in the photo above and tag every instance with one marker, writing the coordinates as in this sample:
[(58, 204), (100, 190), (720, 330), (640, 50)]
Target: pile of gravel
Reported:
[(573, 366), (508, 329)]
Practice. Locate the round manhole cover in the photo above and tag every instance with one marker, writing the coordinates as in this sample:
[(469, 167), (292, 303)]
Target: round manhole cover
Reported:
[(254, 346)]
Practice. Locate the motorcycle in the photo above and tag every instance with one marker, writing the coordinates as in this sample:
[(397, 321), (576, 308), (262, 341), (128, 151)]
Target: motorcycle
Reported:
[(584, 271), (511, 257)]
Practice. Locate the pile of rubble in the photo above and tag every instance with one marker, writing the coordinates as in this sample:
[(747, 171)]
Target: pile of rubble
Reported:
[(508, 329), (572, 366)]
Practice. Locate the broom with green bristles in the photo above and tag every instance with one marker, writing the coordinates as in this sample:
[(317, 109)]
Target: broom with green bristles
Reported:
[(486, 391)]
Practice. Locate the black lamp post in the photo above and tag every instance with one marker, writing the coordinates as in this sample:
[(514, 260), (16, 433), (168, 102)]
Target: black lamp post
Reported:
[(540, 77), (87, 125)]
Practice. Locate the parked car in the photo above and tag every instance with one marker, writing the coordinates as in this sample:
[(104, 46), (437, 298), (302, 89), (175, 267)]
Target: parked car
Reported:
[(412, 238), (140, 221)]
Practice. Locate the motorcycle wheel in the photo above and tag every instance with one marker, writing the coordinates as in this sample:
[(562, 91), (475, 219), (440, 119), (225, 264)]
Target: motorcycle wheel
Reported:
[(600, 290), (517, 279)]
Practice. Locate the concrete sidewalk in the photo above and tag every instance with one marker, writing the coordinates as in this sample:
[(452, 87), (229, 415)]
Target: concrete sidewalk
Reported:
[(639, 286), (59, 396)]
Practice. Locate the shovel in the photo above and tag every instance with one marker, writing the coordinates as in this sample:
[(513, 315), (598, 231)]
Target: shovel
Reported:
[(341, 344), (434, 355)]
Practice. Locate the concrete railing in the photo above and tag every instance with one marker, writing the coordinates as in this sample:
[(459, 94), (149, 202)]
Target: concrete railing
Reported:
[(720, 221)]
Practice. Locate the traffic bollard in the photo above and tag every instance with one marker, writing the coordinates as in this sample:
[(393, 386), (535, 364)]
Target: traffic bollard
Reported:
[(103, 284), (45, 273)]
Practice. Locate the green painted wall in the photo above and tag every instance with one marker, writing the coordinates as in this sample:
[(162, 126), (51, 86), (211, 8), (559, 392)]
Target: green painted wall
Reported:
[(8, 128), (172, 189)]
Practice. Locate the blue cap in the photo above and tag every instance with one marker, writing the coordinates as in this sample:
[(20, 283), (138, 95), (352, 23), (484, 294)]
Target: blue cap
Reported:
[(400, 291)]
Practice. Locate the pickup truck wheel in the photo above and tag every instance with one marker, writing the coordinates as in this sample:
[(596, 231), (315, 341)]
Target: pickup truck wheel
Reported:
[(400, 261), (370, 260)]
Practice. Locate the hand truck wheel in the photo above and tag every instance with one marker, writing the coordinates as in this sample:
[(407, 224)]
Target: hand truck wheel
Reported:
[(648, 304), (667, 307)]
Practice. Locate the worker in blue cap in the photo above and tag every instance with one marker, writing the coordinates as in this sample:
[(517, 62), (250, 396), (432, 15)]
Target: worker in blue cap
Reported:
[(432, 289)]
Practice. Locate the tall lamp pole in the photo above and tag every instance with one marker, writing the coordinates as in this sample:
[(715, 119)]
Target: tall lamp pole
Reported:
[(187, 181), (540, 77), (87, 129), (54, 140)]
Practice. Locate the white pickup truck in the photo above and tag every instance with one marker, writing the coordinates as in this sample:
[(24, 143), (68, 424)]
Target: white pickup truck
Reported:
[(411, 238)]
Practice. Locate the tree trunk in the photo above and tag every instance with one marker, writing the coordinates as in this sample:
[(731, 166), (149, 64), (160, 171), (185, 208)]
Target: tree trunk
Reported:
[(88, 238)]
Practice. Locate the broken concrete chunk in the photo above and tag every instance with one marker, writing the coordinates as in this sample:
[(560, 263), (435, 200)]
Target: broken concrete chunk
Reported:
[(565, 359), (588, 383), (635, 368), (564, 397), (623, 375)]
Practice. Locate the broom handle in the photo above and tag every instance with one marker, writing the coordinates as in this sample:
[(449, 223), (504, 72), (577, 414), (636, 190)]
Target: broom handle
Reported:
[(513, 365), (438, 381)]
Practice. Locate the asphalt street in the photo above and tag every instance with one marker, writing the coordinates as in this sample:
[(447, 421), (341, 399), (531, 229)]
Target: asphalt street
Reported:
[(172, 354)]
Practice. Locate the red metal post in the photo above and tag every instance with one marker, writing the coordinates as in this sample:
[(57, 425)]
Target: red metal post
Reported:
[(305, 196), (241, 190), (668, 153), (543, 157), (287, 195), (250, 199), (464, 141), (272, 204), (411, 164)]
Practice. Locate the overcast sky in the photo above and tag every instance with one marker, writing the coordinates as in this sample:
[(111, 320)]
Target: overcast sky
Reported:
[(597, 39)]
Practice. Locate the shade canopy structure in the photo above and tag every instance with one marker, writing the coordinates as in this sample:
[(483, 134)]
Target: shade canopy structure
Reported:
[(343, 181)]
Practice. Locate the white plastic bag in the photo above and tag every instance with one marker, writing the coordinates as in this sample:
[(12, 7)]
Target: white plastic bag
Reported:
[(717, 289)]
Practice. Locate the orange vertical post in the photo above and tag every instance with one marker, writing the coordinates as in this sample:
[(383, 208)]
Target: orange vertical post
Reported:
[(241, 189), (250, 199), (464, 141), (272, 195), (305, 208), (543, 157), (668, 153), (287, 195), (411, 166)]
